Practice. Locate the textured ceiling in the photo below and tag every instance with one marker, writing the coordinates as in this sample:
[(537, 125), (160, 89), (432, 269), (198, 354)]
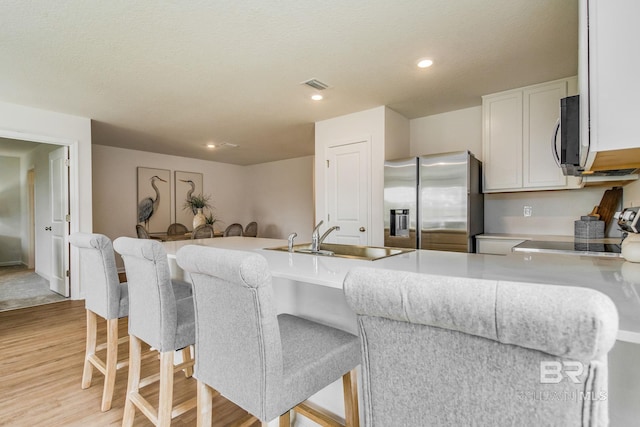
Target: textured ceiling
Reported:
[(169, 77)]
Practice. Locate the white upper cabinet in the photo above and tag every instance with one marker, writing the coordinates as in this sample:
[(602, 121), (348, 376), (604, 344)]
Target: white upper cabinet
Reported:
[(609, 69), (502, 141), (518, 131)]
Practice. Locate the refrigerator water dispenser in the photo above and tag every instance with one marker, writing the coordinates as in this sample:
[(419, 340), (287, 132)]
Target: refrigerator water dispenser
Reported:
[(399, 222)]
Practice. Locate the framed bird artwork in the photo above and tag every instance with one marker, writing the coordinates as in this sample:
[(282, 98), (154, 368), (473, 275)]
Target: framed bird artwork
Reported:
[(188, 184), (154, 199)]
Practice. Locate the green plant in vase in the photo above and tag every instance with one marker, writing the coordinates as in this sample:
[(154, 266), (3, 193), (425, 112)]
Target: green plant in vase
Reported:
[(196, 204)]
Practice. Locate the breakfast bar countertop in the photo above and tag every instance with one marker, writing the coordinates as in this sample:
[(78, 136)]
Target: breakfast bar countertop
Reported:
[(616, 278)]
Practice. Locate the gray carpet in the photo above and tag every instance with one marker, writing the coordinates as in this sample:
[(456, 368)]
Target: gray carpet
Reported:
[(21, 287)]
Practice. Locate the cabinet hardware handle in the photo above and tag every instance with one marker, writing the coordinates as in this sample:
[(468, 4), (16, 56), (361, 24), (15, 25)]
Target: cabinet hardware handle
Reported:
[(362, 229)]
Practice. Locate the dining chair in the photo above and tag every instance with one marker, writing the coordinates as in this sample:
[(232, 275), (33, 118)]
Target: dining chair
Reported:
[(461, 351), (234, 229), (251, 230), (265, 363), (161, 315), (176, 228), (142, 232), (106, 297), (203, 231)]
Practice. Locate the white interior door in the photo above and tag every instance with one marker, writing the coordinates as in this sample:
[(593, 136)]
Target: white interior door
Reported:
[(348, 193), (59, 226)]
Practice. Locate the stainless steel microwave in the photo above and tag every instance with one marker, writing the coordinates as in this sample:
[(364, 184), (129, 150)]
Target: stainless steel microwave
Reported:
[(570, 136)]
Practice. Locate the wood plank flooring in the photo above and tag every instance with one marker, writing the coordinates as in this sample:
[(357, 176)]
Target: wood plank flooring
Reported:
[(41, 359)]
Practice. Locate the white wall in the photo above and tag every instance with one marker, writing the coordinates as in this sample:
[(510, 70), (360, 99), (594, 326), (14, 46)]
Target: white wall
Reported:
[(10, 211), (364, 125), (454, 131), (554, 212), (32, 124), (397, 136), (278, 195)]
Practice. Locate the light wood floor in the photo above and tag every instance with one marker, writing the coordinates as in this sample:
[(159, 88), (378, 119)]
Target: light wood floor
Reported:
[(41, 359)]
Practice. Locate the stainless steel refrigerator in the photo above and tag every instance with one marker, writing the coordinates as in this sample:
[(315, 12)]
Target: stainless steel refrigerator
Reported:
[(433, 202)]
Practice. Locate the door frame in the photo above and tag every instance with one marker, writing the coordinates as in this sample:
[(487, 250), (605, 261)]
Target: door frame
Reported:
[(74, 191)]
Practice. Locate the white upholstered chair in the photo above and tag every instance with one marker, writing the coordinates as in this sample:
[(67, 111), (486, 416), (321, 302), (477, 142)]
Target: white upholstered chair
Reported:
[(265, 363), (106, 297), (455, 351), (161, 315)]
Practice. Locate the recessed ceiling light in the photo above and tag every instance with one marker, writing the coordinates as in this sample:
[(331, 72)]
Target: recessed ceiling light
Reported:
[(210, 145), (425, 63), (316, 97)]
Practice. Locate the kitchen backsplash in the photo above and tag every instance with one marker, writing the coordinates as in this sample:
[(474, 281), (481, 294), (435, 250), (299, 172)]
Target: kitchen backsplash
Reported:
[(551, 212)]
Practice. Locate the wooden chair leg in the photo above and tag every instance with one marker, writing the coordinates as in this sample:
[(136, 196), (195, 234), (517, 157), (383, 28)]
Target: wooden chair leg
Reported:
[(111, 365), (165, 403), (92, 332), (285, 419), (186, 356), (133, 384), (350, 389), (205, 405)]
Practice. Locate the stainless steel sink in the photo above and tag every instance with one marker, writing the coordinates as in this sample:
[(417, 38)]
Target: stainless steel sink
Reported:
[(370, 253)]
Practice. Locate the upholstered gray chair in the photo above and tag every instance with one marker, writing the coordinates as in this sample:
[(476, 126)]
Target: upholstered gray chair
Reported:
[(161, 315), (176, 228), (106, 297), (234, 229), (453, 351), (265, 363), (204, 231), (142, 232), (251, 230)]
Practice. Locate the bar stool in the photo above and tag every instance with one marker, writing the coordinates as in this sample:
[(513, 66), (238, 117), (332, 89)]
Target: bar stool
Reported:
[(464, 351), (106, 297), (265, 363), (161, 315)]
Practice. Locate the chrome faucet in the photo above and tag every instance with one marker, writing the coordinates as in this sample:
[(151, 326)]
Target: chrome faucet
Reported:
[(326, 233), (291, 237), (315, 237)]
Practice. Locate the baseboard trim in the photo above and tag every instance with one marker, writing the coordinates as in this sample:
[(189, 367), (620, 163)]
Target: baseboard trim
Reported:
[(11, 263)]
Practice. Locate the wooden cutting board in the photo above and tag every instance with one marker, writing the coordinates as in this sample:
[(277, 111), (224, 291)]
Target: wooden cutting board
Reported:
[(608, 206)]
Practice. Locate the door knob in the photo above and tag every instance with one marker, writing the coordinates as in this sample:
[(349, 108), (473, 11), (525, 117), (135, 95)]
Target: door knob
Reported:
[(47, 228), (362, 229)]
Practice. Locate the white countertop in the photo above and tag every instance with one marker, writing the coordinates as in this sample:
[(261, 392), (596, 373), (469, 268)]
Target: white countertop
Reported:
[(616, 278)]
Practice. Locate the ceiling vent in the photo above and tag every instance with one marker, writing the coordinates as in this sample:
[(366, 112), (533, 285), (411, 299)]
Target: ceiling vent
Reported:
[(228, 144), (316, 84)]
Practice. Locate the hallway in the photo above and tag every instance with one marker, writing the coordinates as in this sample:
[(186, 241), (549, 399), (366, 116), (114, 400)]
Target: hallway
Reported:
[(21, 287)]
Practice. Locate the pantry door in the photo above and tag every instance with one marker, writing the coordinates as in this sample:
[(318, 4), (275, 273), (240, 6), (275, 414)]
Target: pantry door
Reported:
[(348, 189)]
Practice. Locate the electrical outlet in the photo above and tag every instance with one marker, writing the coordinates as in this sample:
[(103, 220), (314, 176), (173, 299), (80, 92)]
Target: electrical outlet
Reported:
[(527, 211)]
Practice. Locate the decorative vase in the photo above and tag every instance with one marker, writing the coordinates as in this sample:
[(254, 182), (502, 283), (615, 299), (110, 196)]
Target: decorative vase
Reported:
[(199, 219)]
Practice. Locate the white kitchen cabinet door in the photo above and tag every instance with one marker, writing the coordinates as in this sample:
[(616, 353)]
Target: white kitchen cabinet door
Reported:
[(541, 110), (614, 65), (502, 141)]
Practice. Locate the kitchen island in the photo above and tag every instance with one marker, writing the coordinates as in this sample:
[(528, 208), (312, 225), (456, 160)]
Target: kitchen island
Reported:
[(311, 286)]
